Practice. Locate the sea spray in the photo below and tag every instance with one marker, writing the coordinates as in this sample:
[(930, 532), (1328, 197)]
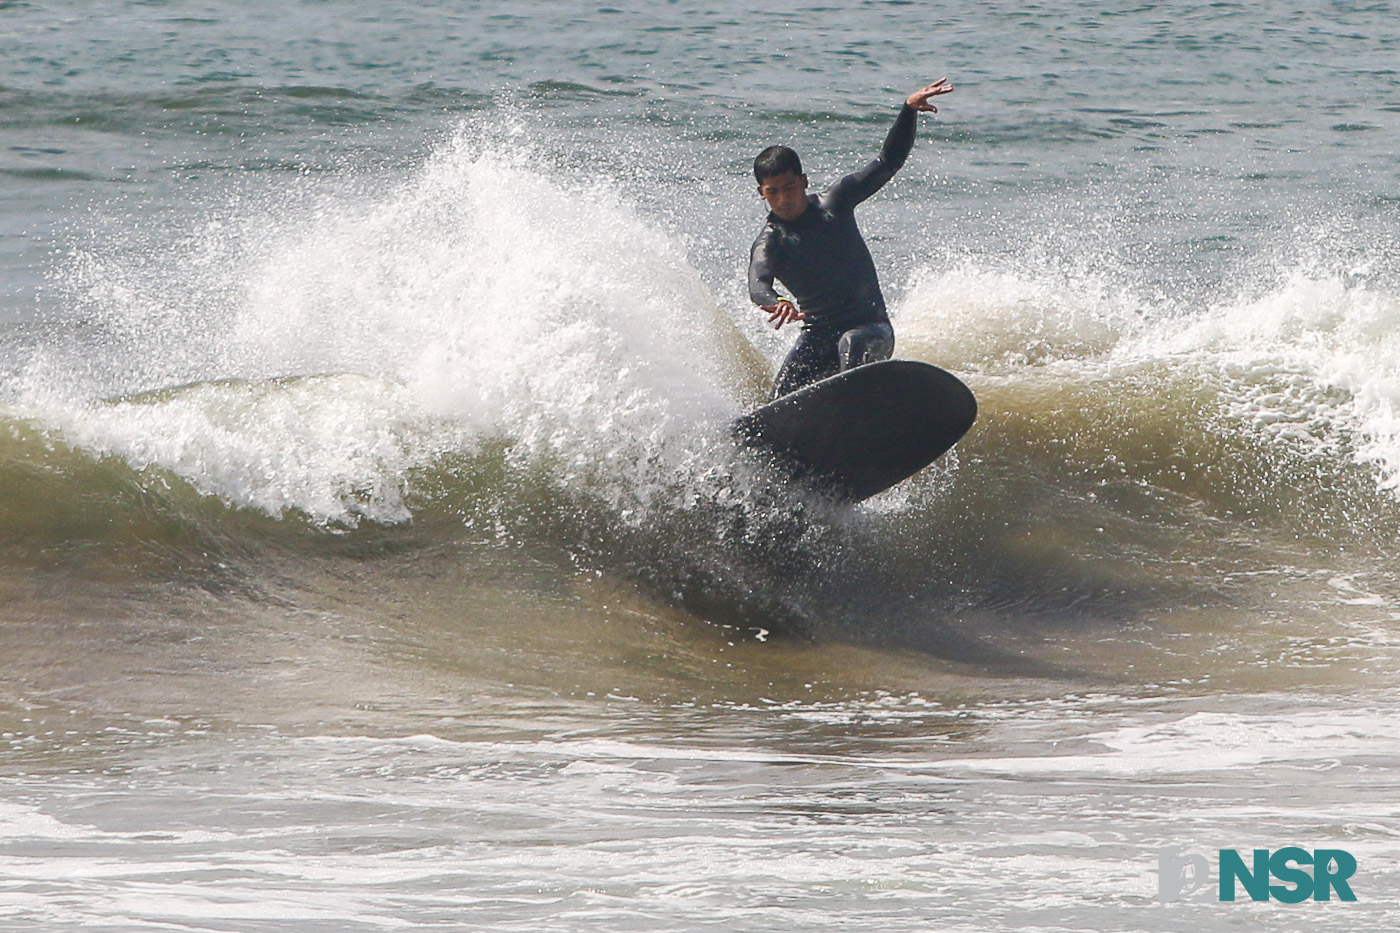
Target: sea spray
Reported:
[(485, 297), (978, 317)]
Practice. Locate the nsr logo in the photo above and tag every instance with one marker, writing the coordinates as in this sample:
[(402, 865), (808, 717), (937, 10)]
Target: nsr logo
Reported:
[(1179, 875)]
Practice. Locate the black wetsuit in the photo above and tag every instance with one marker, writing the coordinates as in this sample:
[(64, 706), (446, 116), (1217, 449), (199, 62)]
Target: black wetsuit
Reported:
[(823, 260)]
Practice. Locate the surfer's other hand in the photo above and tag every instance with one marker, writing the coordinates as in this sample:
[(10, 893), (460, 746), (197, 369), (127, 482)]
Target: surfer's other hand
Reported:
[(919, 100), (783, 312)]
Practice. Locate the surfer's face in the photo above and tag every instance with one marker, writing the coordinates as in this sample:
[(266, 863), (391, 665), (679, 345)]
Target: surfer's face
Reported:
[(786, 194)]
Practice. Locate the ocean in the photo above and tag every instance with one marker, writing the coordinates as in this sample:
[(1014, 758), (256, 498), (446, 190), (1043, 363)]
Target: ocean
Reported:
[(373, 555)]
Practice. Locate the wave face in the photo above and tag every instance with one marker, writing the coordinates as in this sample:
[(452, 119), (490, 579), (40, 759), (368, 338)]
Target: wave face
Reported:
[(493, 349)]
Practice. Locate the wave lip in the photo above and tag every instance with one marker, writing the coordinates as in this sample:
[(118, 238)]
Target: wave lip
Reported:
[(334, 447)]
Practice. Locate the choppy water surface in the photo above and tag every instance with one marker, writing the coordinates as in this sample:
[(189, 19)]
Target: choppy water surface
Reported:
[(371, 555)]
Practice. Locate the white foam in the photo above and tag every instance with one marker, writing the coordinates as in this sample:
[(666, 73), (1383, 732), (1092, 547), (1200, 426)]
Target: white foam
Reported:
[(335, 447), (24, 822), (1204, 742)]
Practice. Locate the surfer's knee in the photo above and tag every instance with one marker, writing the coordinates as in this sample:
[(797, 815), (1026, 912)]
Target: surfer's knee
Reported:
[(869, 343)]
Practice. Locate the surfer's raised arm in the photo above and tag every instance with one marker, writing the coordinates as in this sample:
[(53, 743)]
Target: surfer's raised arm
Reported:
[(858, 186)]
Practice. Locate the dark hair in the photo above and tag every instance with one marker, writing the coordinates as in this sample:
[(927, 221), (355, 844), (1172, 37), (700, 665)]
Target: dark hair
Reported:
[(776, 160)]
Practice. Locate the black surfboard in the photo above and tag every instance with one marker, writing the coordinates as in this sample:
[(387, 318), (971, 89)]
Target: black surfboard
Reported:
[(862, 431)]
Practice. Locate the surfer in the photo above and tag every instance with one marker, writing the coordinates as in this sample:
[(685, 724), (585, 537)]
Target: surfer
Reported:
[(810, 242)]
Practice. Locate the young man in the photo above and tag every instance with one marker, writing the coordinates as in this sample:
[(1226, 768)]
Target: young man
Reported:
[(811, 243)]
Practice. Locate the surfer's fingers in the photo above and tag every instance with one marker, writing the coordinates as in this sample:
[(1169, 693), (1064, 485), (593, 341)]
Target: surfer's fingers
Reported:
[(919, 100)]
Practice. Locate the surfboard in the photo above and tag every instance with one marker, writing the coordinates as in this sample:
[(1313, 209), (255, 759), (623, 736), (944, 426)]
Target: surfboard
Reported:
[(864, 430)]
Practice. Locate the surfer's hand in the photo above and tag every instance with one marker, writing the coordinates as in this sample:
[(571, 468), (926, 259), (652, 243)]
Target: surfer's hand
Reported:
[(919, 100), (784, 312)]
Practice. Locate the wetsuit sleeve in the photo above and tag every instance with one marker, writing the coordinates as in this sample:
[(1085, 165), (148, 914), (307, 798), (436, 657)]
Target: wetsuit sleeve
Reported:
[(761, 290), (851, 190)]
